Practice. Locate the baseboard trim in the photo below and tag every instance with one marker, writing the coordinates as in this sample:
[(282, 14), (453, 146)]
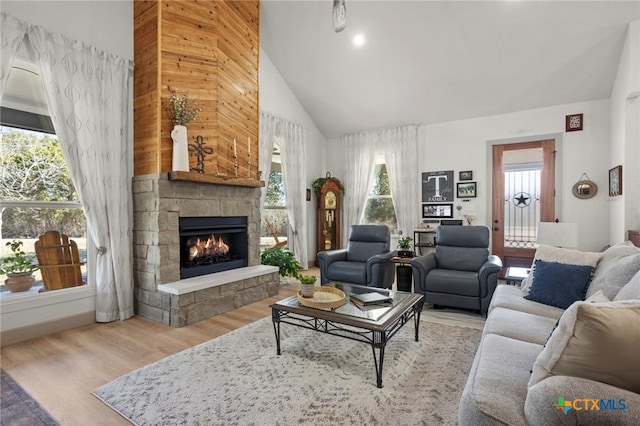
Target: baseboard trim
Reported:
[(22, 334)]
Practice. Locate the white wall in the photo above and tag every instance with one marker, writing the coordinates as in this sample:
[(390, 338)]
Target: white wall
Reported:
[(464, 145), (625, 137), (277, 99), (107, 25)]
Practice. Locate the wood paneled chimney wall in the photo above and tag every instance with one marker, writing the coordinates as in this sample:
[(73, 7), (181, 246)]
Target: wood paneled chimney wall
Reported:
[(208, 49)]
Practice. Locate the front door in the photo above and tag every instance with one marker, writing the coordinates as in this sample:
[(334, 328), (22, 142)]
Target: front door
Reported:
[(523, 196)]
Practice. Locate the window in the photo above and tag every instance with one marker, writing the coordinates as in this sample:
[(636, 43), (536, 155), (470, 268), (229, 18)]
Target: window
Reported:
[(274, 225), (36, 191), (379, 208)]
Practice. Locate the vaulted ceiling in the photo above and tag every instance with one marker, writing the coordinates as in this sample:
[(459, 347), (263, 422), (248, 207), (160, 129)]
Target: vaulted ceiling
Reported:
[(426, 62)]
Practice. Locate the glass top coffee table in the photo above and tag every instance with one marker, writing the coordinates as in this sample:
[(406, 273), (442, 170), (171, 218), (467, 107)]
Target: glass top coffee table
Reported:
[(374, 325)]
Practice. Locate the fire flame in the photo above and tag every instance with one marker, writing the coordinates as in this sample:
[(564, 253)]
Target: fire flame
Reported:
[(211, 247)]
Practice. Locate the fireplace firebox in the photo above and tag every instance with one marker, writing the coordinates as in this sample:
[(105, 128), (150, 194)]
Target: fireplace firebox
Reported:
[(212, 244)]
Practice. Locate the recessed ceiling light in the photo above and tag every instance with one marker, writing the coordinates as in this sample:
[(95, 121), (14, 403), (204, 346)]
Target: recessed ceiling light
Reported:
[(358, 40)]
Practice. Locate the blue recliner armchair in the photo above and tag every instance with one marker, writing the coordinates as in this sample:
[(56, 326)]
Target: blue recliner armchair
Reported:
[(365, 261), (460, 273)]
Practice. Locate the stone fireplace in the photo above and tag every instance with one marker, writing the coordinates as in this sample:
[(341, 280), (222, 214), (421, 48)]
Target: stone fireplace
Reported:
[(170, 216)]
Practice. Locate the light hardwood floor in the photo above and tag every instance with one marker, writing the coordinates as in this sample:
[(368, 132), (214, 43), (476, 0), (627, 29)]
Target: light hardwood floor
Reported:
[(61, 370)]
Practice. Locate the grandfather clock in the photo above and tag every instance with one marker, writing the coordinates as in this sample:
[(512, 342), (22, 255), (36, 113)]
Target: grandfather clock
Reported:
[(329, 216)]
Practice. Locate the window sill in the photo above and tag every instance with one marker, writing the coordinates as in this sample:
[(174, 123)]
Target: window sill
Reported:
[(14, 302)]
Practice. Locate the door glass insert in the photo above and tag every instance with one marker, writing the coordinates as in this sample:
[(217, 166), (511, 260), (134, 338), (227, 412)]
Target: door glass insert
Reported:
[(522, 183)]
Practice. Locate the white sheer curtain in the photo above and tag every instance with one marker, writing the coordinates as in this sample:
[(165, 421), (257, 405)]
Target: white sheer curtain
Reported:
[(359, 163), (400, 148), (12, 31), (267, 136), (88, 98), (294, 177)]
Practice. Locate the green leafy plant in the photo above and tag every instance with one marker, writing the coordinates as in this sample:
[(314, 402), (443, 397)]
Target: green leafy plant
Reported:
[(405, 243), (182, 109), (307, 279), (18, 262), (317, 184), (283, 259)]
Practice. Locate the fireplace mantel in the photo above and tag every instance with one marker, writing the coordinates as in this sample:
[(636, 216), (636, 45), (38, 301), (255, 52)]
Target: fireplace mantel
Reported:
[(215, 180)]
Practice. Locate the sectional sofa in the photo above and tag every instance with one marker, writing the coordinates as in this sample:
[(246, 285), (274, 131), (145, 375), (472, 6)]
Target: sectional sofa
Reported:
[(572, 363)]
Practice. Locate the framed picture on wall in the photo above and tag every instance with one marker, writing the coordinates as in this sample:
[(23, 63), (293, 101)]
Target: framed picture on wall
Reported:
[(466, 175), (437, 187), (466, 190), (437, 210), (615, 181)]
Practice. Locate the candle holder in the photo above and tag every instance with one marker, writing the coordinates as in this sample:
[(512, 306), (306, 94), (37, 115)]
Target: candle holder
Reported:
[(235, 164), (249, 164)]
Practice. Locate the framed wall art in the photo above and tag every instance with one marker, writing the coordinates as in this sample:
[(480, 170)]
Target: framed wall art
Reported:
[(615, 181), (573, 122), (466, 175), (466, 190), (437, 210), (437, 187)]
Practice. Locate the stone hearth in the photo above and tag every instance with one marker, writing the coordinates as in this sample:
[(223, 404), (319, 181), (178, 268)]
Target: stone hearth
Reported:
[(158, 203)]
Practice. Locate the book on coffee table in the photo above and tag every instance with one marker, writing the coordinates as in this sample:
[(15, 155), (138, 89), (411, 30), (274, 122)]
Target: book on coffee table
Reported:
[(372, 298)]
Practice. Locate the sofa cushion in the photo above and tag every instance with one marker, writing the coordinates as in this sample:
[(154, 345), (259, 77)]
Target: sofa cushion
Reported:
[(611, 256), (508, 296), (463, 283), (496, 388), (350, 272), (519, 325), (631, 290), (594, 341), (559, 284), (615, 276), (461, 258), (598, 297), (560, 255)]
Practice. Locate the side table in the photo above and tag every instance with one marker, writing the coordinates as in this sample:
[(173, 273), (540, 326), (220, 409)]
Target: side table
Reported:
[(515, 275), (404, 273)]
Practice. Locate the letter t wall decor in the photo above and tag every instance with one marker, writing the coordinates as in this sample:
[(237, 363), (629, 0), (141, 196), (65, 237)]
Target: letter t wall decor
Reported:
[(437, 187)]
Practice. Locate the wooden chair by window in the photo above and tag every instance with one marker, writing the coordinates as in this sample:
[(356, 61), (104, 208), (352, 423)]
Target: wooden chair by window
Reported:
[(275, 236), (58, 260)]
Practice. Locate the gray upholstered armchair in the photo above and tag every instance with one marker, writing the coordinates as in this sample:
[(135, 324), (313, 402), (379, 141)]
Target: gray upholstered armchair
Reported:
[(460, 273), (365, 261)]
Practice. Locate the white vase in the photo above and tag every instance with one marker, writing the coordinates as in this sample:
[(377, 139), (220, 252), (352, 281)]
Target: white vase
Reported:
[(180, 149)]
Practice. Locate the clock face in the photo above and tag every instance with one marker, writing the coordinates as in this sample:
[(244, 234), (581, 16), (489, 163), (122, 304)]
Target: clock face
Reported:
[(330, 200)]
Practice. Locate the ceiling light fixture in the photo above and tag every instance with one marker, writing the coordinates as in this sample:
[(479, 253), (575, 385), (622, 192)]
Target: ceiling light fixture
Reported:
[(339, 15), (358, 40)]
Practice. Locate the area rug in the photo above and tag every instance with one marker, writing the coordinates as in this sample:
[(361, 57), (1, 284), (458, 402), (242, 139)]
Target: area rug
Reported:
[(237, 379), (19, 408)]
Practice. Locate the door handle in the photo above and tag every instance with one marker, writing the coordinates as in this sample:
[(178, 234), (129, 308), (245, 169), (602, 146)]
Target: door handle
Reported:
[(495, 228)]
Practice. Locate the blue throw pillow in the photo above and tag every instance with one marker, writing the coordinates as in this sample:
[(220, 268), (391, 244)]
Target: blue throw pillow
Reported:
[(559, 284)]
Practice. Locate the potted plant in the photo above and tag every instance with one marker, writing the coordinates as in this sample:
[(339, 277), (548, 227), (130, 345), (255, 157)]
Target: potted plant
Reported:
[(182, 110), (18, 268), (404, 244), (283, 259), (317, 184), (307, 285)]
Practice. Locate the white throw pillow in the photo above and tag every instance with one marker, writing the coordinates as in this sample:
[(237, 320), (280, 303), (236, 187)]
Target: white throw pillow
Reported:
[(560, 255), (631, 290), (596, 341), (598, 297)]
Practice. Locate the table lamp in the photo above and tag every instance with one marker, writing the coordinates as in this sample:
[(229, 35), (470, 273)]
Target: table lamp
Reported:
[(558, 234)]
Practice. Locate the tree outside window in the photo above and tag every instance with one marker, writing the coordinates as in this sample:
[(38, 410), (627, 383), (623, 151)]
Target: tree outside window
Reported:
[(274, 213), (379, 208), (36, 191)]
